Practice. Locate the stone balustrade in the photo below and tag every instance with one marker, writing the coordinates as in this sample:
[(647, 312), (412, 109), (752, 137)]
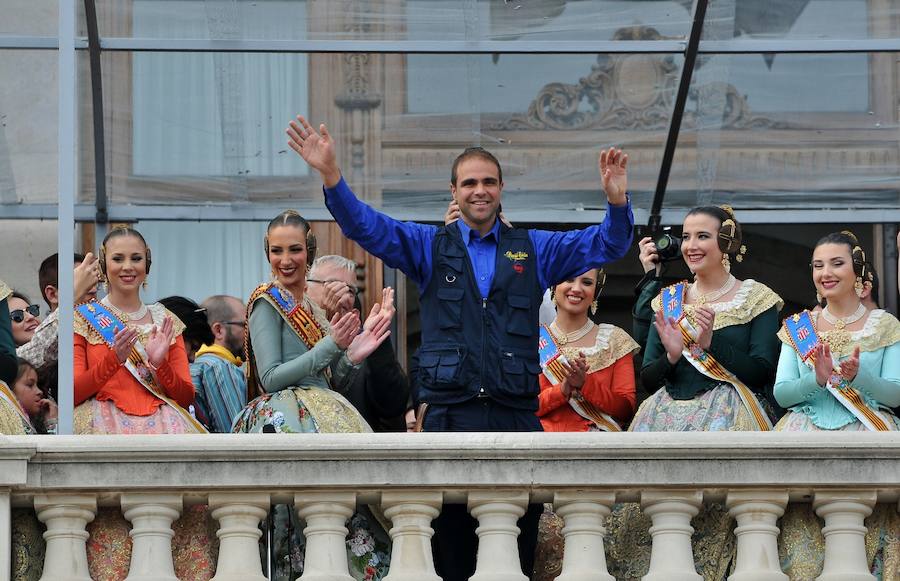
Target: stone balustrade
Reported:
[(152, 479)]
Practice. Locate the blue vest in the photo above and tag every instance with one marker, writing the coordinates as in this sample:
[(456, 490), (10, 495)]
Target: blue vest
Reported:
[(473, 346)]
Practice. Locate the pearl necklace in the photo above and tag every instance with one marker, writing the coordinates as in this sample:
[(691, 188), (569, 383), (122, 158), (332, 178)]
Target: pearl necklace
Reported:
[(841, 322), (711, 297), (133, 316), (565, 338)]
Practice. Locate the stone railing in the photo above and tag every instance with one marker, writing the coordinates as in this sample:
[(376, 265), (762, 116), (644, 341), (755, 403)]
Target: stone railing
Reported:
[(412, 475)]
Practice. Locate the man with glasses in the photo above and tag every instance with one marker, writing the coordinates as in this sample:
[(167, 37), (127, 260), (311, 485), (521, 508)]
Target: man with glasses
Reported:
[(217, 370), (380, 390)]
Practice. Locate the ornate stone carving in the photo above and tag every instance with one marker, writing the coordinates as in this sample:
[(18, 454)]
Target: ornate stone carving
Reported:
[(633, 91)]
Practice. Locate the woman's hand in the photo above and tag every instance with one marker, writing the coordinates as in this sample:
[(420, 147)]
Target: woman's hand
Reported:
[(159, 342), (344, 328), (49, 409), (649, 257), (576, 370), (850, 366), (123, 343), (374, 333), (824, 364), (669, 336), (705, 317)]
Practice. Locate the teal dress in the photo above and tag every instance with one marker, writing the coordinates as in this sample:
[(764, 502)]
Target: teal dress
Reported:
[(295, 362), (813, 408)]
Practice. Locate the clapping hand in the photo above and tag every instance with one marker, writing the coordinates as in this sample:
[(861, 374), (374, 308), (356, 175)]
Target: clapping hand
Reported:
[(160, 340), (344, 328), (670, 336), (338, 297), (376, 329), (706, 318), (123, 343), (824, 364), (850, 366), (612, 163), (316, 148), (576, 373)]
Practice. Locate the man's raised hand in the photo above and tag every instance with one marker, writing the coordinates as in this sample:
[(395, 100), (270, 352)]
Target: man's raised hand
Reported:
[(612, 163), (316, 148)]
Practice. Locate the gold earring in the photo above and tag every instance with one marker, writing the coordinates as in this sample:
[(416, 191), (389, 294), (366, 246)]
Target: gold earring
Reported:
[(818, 298), (858, 286), (594, 307), (726, 262), (553, 298), (274, 274)]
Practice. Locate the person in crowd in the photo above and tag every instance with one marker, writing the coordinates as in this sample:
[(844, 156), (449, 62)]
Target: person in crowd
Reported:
[(476, 273), (196, 328), (711, 369), (24, 316), (299, 362), (597, 394), (9, 366), (217, 371), (845, 348), (43, 348), (381, 389), (132, 377), (42, 412), (131, 369), (601, 376), (871, 288)]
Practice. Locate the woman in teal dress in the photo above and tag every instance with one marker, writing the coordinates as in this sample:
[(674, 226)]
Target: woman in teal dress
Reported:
[(295, 358), (734, 324), (861, 348)]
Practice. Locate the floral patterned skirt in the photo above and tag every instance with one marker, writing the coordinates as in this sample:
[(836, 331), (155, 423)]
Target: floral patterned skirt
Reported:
[(718, 409), (103, 417), (801, 546), (301, 410)]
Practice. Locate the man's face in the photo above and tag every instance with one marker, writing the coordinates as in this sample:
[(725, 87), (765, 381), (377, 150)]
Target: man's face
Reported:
[(323, 274), (234, 333), (477, 191)]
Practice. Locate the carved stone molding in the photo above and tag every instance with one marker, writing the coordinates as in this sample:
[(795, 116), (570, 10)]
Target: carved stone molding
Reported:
[(634, 91)]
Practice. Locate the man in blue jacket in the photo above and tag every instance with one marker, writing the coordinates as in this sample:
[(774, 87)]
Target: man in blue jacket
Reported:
[(480, 285)]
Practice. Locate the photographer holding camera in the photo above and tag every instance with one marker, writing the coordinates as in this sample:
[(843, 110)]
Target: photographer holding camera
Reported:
[(654, 253)]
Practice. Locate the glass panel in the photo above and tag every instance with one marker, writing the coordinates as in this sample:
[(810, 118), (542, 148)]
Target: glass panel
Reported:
[(391, 19), (199, 128), (30, 18), (29, 111), (802, 19), (26, 243), (790, 131)]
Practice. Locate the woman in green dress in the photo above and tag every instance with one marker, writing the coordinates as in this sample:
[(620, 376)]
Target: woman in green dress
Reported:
[(295, 357), (710, 371)]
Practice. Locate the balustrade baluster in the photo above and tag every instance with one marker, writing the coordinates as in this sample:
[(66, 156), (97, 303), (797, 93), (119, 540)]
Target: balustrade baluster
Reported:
[(411, 513), (845, 544), (583, 513), (151, 517), (66, 516), (239, 514), (671, 556), (498, 550), (326, 515), (757, 513)]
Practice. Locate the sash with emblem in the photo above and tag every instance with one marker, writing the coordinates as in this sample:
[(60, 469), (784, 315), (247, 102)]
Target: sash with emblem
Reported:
[(672, 299), (801, 331), (7, 395), (552, 360), (308, 330), (106, 324)]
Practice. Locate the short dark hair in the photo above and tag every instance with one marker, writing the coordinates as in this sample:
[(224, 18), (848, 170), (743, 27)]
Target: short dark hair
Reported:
[(21, 296), (219, 308), (476, 152), (194, 318), (24, 366), (48, 273)]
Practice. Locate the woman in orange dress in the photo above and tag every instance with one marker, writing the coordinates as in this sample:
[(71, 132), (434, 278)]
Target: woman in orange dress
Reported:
[(132, 377)]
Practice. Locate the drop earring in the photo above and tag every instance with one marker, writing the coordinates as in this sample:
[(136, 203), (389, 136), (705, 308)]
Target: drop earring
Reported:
[(818, 298), (594, 307), (858, 286), (726, 263)]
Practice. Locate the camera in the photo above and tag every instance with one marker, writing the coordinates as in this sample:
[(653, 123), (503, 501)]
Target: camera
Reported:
[(668, 247)]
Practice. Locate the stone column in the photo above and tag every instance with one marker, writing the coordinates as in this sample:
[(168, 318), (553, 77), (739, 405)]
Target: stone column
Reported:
[(5, 534), (411, 513), (326, 515), (671, 556), (66, 516), (844, 512), (498, 551), (239, 514), (151, 517), (757, 513), (584, 558)]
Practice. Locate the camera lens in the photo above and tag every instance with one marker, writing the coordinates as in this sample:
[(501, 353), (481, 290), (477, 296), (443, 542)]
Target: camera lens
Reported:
[(668, 247)]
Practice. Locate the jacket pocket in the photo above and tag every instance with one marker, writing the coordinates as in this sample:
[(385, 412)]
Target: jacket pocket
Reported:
[(519, 320), (440, 366), (518, 373), (450, 311)]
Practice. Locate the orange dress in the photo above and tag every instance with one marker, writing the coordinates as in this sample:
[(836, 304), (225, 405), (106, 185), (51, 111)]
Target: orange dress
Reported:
[(609, 384)]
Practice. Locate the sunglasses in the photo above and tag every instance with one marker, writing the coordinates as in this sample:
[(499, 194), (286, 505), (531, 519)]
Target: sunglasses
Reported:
[(19, 314)]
